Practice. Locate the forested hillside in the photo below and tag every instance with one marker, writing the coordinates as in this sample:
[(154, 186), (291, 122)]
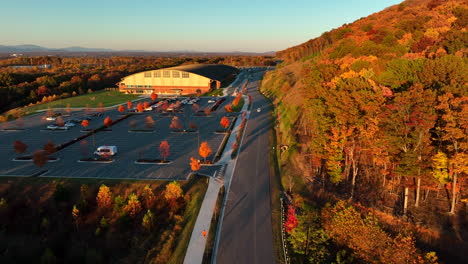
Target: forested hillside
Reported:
[(375, 113)]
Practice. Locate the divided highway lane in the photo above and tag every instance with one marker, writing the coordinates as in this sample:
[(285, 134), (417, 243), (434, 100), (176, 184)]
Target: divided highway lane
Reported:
[(246, 235)]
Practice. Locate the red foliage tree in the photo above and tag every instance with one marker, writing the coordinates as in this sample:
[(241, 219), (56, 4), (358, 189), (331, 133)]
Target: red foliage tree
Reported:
[(154, 96), (164, 149), (19, 147), (146, 105), (49, 148), (164, 105), (224, 122), (84, 148), (175, 123), (42, 91), (192, 125), (121, 108), (140, 107), (39, 158), (108, 121), (291, 220), (85, 123), (129, 104), (228, 108), (149, 122), (195, 108)]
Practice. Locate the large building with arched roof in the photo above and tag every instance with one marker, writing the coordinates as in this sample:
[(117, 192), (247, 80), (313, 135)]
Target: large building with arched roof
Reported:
[(180, 80)]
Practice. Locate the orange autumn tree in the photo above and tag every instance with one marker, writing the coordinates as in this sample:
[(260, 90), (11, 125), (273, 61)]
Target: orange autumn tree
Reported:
[(194, 164), (346, 226), (19, 147), (104, 197), (204, 150), (164, 149), (173, 191), (236, 100), (154, 96), (133, 206), (149, 198), (107, 121), (129, 104), (146, 105), (149, 122), (228, 108), (224, 122), (121, 108)]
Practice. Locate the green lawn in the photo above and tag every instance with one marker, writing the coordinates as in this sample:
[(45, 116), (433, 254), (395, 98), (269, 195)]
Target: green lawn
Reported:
[(107, 98), (215, 92)]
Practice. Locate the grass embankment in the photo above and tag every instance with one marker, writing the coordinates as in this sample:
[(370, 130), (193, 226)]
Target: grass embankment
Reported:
[(207, 255), (107, 98), (38, 225), (215, 92), (190, 217)]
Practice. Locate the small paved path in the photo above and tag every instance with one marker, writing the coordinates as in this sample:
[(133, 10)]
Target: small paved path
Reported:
[(196, 247)]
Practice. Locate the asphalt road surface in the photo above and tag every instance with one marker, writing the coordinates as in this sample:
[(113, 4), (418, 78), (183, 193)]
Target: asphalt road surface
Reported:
[(246, 235)]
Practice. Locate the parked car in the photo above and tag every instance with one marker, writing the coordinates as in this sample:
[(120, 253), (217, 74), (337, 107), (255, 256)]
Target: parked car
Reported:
[(211, 101), (55, 127), (69, 124), (106, 151), (148, 109), (258, 109), (51, 118)]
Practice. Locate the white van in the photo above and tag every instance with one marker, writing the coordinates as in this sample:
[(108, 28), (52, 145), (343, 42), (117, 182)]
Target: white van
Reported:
[(106, 151)]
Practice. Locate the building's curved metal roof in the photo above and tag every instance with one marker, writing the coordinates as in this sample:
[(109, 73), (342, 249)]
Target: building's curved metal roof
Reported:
[(217, 72)]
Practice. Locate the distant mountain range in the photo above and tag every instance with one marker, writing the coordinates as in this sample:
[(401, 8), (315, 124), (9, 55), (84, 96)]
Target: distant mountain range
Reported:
[(29, 48), (36, 48)]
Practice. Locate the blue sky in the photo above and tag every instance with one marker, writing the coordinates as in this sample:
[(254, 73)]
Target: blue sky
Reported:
[(198, 25)]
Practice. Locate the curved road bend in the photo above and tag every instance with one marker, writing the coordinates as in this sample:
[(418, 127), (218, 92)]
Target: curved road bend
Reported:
[(246, 234)]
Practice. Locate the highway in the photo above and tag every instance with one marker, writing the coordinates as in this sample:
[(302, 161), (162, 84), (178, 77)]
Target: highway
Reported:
[(246, 234)]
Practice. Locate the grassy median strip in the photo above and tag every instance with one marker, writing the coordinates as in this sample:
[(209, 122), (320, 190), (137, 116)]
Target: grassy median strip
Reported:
[(200, 185)]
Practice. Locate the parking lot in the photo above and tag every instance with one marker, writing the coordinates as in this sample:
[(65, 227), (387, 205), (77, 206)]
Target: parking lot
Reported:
[(132, 145)]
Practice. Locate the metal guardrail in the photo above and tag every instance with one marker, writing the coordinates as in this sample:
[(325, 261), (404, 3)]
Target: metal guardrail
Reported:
[(283, 234)]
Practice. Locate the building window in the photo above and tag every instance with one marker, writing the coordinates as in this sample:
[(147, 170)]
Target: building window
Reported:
[(185, 75), (130, 86), (175, 74), (157, 74), (139, 86), (122, 83), (147, 86), (139, 91), (148, 75), (166, 74)]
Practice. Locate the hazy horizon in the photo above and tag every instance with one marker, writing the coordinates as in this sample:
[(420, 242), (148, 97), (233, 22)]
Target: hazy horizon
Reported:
[(203, 26)]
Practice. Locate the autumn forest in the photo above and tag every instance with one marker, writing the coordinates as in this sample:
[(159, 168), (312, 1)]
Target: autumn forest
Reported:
[(374, 114)]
